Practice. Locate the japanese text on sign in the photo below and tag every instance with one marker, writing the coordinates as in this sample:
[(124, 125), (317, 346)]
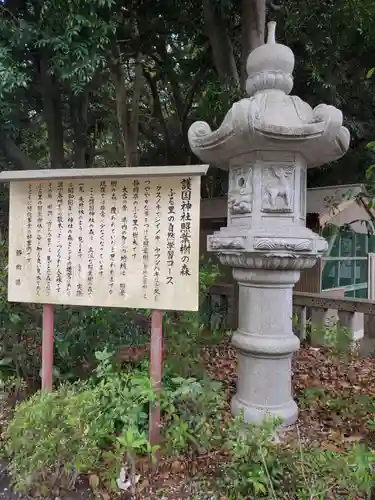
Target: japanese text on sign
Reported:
[(129, 242)]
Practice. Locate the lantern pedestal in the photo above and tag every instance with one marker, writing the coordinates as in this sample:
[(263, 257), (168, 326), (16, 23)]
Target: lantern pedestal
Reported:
[(265, 344)]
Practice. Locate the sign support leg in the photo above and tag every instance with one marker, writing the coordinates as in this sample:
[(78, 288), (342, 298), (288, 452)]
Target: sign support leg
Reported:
[(47, 348), (156, 362)]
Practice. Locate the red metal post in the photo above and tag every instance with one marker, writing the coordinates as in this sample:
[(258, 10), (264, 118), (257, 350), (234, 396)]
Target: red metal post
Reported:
[(47, 348), (156, 362)]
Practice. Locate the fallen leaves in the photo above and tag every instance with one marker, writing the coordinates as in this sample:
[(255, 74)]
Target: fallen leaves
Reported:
[(333, 395), (344, 396)]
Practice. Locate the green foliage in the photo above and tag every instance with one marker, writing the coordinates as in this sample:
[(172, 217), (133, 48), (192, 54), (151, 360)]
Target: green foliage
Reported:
[(81, 332), (333, 44), (338, 338), (216, 101), (73, 47), (68, 420), (188, 332), (11, 77), (259, 468), (98, 425), (12, 389), (193, 415)]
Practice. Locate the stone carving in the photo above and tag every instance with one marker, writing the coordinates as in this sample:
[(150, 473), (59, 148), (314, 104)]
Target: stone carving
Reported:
[(277, 189), (226, 243), (240, 196), (280, 136), (267, 261), (303, 193), (241, 205), (270, 114), (283, 244)]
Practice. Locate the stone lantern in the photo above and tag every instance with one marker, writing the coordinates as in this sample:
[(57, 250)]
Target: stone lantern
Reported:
[(267, 141)]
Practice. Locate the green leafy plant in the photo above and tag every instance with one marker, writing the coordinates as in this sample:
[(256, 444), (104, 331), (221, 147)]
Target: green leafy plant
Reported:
[(252, 457), (82, 332), (188, 332), (74, 426), (260, 468), (338, 338), (12, 389), (97, 425), (193, 414), (371, 421)]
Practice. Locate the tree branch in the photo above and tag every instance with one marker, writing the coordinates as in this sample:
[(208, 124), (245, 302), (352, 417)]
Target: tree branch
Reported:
[(129, 130), (136, 97), (198, 81)]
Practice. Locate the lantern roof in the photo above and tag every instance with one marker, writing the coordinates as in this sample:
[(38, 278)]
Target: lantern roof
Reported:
[(271, 119)]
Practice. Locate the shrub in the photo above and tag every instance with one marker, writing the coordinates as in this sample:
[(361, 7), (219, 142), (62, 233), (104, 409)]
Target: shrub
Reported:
[(12, 389), (97, 425), (259, 468), (193, 414), (187, 332), (81, 332)]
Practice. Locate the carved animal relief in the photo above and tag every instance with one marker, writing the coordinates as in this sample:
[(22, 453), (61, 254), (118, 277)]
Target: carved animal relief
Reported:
[(240, 197), (215, 243), (277, 189)]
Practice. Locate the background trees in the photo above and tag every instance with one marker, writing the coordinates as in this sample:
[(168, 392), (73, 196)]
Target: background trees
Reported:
[(108, 82)]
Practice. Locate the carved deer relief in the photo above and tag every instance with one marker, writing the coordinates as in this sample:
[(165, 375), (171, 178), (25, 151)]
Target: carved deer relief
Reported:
[(277, 185)]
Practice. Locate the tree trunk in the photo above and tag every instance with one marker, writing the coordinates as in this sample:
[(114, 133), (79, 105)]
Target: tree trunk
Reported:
[(132, 150), (52, 113), (158, 113), (222, 50), (253, 21), (78, 110), (128, 120), (14, 155)]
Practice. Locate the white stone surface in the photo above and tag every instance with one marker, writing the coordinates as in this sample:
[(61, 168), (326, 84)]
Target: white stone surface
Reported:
[(267, 141)]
